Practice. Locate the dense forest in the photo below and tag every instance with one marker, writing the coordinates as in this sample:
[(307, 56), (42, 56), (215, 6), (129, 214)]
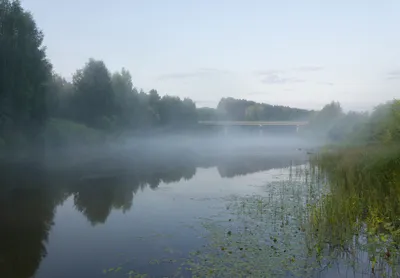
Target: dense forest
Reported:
[(36, 103), (38, 106), (246, 110), (381, 126)]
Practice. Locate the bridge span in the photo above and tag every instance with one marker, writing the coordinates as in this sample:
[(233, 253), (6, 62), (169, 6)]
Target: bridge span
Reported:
[(253, 123), (263, 127)]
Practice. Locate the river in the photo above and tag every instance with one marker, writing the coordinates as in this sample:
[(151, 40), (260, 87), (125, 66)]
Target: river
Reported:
[(127, 216)]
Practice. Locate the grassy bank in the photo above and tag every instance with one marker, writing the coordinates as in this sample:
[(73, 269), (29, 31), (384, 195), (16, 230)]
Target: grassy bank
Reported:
[(360, 212), (63, 133)]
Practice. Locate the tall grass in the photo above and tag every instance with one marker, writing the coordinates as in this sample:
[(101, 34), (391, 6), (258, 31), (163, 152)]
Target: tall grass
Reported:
[(361, 211)]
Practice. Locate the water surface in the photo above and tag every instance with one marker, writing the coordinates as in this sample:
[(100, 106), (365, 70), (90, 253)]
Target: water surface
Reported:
[(129, 214), (140, 215)]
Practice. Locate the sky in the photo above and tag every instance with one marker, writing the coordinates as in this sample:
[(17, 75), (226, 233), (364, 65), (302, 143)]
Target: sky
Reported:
[(294, 53)]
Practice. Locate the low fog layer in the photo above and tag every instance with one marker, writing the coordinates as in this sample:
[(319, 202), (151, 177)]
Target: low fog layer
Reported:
[(165, 147)]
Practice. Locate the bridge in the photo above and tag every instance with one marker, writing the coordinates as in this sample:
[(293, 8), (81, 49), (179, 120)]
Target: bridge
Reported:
[(253, 123), (262, 126)]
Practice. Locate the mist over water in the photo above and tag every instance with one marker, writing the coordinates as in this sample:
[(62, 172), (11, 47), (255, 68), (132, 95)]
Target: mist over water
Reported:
[(162, 148), (160, 183), (102, 175)]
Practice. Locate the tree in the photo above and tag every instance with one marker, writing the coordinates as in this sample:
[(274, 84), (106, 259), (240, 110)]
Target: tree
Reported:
[(126, 99), (24, 73), (94, 96), (384, 124), (154, 106), (59, 97), (175, 112), (346, 126), (255, 113), (324, 120), (241, 110), (207, 114)]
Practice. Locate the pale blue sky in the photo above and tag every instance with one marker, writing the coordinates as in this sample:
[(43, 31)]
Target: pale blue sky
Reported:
[(297, 53)]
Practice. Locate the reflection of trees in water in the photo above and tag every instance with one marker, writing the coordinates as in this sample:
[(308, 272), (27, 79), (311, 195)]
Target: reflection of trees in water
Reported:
[(96, 196), (26, 216), (27, 211), (247, 165)]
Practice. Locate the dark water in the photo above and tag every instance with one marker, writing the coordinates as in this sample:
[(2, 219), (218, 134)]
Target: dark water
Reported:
[(123, 211), (141, 213)]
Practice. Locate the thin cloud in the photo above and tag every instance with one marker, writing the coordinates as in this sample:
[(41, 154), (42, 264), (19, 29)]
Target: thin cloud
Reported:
[(214, 70), (326, 83), (268, 72), (281, 71), (279, 76), (202, 72), (308, 68), (177, 75), (276, 79), (257, 93), (394, 75)]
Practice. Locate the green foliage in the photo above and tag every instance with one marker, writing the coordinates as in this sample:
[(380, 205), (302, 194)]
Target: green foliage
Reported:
[(24, 72), (61, 132), (59, 97), (255, 113), (173, 111), (111, 103), (31, 95), (93, 97), (360, 211), (383, 125), (346, 125), (326, 120), (207, 114)]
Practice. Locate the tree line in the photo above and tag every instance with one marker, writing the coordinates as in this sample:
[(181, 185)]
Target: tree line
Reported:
[(36, 103), (106, 101), (31, 93), (380, 126), (245, 110)]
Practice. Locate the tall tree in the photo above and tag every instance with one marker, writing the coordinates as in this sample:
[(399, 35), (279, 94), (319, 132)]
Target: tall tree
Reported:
[(24, 73), (154, 106), (59, 97), (126, 99), (94, 96)]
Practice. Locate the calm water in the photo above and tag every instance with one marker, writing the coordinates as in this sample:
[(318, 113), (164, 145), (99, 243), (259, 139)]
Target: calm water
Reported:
[(141, 215)]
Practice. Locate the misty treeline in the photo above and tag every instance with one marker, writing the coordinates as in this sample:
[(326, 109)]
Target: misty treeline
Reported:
[(381, 126), (245, 110), (105, 101), (35, 102), (37, 105), (40, 107)]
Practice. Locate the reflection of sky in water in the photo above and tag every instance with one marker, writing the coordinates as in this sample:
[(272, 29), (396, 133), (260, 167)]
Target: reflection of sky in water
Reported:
[(78, 249), (115, 217)]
